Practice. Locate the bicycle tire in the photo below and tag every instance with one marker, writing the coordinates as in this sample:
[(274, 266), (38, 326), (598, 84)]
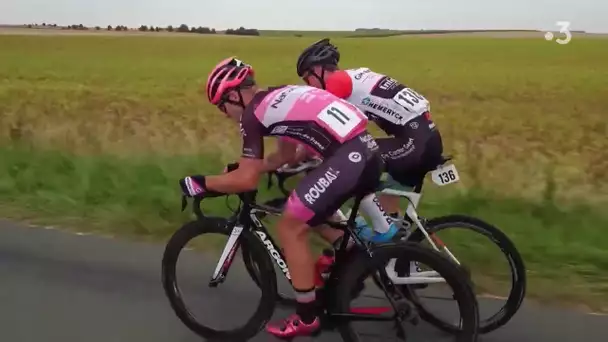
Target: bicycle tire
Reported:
[(266, 305), (516, 263), (362, 266)]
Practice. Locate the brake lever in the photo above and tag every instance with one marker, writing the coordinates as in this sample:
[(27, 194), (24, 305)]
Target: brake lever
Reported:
[(184, 203)]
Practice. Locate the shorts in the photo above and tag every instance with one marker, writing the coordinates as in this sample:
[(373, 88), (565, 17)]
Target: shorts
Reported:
[(412, 154), (354, 169)]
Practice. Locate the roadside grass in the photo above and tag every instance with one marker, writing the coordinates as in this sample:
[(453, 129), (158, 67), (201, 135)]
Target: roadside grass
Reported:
[(96, 131), (510, 110)]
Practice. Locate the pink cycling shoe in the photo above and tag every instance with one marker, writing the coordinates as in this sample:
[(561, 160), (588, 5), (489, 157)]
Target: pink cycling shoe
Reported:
[(293, 327)]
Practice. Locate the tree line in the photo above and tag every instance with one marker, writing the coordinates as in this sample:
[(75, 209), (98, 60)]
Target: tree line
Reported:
[(183, 28)]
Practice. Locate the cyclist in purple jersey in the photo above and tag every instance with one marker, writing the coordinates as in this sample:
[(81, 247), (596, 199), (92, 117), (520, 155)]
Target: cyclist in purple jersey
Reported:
[(415, 145), (325, 124)]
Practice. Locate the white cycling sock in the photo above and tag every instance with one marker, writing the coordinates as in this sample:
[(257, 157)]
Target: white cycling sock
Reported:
[(370, 206)]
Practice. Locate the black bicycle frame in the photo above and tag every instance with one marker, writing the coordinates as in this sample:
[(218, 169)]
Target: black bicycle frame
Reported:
[(247, 219)]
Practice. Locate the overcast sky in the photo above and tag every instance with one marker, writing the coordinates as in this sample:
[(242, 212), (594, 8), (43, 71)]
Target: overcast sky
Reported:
[(588, 15)]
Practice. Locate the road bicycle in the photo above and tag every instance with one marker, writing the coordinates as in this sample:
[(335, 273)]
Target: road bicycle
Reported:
[(416, 228), (246, 232)]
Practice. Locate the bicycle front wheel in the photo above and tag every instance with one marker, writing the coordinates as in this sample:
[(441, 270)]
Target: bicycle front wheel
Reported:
[(258, 257), (363, 266)]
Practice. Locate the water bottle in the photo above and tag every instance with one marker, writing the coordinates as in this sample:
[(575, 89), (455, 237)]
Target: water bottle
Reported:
[(323, 267)]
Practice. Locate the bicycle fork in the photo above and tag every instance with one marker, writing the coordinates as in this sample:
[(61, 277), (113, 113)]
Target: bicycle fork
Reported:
[(227, 257)]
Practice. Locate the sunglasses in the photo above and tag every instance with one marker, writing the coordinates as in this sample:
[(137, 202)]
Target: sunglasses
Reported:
[(222, 104)]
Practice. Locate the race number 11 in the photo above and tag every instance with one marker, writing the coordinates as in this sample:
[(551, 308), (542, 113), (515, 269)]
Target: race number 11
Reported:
[(340, 118)]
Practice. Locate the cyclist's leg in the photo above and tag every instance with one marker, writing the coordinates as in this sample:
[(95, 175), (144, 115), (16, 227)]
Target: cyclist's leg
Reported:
[(315, 198), (398, 153), (408, 157)]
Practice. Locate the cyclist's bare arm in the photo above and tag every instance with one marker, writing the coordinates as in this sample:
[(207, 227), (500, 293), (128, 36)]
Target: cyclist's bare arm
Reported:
[(285, 153), (251, 164), (245, 178)]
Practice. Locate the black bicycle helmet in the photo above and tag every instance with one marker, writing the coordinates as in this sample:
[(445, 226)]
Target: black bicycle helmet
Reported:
[(320, 53)]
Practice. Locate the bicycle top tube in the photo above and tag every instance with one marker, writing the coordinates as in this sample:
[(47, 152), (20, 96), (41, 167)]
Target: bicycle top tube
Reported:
[(249, 204)]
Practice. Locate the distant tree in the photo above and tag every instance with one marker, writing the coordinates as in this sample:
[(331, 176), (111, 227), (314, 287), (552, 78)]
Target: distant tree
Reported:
[(29, 26), (205, 30), (54, 25), (143, 28), (97, 28), (241, 31), (43, 24), (109, 28), (81, 27), (183, 28), (170, 28), (157, 29)]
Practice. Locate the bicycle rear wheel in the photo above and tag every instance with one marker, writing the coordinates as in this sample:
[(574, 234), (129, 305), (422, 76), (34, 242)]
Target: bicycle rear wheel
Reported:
[(258, 257), (362, 267), (516, 266)]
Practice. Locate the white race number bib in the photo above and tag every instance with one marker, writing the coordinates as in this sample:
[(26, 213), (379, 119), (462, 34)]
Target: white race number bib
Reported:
[(444, 175), (340, 118), (413, 102)]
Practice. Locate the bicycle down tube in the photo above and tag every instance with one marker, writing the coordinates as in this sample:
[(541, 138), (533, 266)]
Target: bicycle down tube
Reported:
[(223, 265)]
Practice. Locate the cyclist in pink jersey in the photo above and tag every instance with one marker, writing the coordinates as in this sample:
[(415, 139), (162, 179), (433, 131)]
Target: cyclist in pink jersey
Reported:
[(327, 125)]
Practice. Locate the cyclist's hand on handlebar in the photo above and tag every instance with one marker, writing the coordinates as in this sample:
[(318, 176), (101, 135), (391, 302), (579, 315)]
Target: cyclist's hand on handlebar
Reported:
[(194, 186), (301, 166), (282, 168)]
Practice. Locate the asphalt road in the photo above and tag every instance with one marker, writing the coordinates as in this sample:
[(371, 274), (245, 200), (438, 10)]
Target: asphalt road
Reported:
[(60, 286)]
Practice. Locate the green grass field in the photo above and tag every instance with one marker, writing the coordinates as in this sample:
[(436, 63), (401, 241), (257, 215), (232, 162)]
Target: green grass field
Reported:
[(95, 131)]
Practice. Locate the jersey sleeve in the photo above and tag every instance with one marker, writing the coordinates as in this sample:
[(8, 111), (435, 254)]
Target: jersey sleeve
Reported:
[(252, 133), (340, 84)]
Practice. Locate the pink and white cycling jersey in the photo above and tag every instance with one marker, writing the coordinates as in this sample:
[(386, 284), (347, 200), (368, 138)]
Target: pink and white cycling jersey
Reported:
[(303, 114)]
